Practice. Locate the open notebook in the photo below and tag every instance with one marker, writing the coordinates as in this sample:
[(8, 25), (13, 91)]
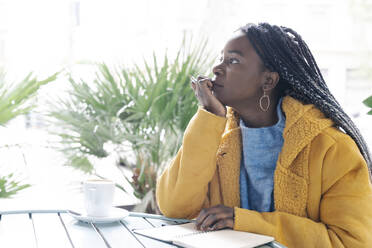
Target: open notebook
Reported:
[(186, 235)]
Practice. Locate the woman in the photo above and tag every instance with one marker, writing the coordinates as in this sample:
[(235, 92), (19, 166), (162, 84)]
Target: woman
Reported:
[(265, 152)]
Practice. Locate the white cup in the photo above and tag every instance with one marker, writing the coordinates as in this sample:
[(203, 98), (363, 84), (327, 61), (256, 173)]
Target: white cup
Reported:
[(98, 197)]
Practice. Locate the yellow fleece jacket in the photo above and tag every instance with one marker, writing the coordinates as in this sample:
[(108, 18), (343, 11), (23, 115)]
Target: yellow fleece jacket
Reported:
[(322, 192)]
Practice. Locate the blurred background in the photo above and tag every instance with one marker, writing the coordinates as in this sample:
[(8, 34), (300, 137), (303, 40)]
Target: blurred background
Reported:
[(48, 36)]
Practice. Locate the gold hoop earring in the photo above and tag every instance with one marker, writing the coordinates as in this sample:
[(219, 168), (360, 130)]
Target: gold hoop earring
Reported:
[(268, 101)]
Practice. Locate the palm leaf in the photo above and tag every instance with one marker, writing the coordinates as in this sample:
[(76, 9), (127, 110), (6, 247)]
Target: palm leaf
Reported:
[(147, 106), (9, 186), (17, 100), (368, 103)]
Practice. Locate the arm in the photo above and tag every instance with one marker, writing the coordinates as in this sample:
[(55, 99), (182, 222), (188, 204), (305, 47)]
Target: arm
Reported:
[(345, 209), (182, 188)]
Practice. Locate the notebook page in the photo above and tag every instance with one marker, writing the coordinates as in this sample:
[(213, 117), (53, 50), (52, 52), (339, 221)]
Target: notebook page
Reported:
[(223, 239), (168, 233)]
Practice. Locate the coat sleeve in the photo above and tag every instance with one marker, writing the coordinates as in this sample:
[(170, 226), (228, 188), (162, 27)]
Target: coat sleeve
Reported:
[(345, 210), (182, 188)]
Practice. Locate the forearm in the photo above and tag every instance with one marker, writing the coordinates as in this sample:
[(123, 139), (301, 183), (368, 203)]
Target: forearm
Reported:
[(183, 186), (290, 230)]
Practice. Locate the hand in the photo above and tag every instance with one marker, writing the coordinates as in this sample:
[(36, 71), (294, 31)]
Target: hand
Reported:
[(203, 92), (215, 218)]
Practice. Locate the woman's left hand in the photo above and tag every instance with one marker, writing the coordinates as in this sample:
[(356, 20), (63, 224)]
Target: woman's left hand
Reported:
[(215, 218)]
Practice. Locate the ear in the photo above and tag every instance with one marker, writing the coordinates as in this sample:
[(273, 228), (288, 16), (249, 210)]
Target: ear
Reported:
[(271, 80)]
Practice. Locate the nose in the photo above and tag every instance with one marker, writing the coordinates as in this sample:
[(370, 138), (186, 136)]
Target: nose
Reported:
[(218, 70)]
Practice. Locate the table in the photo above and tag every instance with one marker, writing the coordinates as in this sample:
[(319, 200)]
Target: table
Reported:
[(56, 228)]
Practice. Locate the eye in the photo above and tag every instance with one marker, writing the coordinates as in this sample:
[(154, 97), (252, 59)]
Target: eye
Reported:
[(220, 59), (233, 61)]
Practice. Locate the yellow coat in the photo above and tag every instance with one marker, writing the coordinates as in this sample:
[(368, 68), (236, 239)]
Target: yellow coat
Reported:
[(322, 192)]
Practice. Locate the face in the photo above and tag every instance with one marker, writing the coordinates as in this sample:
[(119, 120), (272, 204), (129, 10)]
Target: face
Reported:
[(240, 75)]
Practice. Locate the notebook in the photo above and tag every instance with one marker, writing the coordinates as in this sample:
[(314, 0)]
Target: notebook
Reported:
[(186, 235)]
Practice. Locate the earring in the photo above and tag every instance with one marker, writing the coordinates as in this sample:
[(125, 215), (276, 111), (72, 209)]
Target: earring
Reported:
[(268, 101)]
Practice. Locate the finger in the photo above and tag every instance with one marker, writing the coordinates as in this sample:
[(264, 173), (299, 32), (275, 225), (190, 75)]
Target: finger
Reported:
[(203, 85), (218, 209), (209, 84), (209, 221), (193, 85), (203, 81), (202, 215), (200, 77), (197, 91), (214, 217), (222, 224)]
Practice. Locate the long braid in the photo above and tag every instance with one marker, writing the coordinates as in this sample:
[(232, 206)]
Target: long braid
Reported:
[(283, 50)]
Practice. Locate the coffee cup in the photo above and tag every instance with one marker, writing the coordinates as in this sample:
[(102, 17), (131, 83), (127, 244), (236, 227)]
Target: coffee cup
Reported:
[(98, 197)]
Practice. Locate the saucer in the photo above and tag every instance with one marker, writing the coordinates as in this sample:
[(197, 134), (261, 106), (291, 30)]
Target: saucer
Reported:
[(116, 214)]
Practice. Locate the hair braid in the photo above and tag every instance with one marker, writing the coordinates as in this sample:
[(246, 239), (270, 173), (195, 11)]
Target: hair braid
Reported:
[(282, 50)]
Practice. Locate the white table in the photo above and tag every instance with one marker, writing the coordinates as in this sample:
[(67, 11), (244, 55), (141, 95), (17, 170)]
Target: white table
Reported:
[(57, 229)]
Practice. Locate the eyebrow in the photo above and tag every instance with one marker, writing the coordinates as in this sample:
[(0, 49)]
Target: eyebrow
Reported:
[(234, 51)]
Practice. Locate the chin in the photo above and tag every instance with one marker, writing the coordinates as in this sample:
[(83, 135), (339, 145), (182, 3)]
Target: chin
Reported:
[(219, 98)]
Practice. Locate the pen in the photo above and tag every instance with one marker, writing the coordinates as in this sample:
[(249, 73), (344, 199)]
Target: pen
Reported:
[(159, 217)]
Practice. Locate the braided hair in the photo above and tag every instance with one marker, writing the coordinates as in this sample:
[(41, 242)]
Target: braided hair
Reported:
[(282, 50)]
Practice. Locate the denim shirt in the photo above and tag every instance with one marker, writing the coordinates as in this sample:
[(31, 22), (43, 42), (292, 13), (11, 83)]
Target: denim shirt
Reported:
[(261, 148)]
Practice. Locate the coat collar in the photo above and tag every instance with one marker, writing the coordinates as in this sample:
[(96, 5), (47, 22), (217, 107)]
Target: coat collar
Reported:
[(303, 124)]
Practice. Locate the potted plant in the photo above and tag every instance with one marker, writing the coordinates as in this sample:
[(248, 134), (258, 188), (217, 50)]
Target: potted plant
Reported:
[(142, 111)]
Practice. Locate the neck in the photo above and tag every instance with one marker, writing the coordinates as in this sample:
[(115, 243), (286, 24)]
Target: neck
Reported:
[(253, 116)]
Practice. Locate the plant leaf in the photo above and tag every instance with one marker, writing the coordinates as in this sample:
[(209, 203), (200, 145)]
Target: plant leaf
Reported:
[(368, 102)]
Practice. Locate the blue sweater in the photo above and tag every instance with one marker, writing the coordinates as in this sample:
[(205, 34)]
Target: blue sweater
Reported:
[(261, 148)]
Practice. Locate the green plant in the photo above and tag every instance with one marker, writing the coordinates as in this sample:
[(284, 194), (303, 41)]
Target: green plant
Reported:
[(368, 103), (9, 185), (141, 110), (15, 100)]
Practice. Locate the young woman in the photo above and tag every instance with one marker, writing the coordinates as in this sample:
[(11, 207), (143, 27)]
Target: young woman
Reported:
[(270, 150)]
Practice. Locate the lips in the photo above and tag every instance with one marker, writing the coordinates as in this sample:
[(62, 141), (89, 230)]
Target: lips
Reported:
[(215, 84)]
